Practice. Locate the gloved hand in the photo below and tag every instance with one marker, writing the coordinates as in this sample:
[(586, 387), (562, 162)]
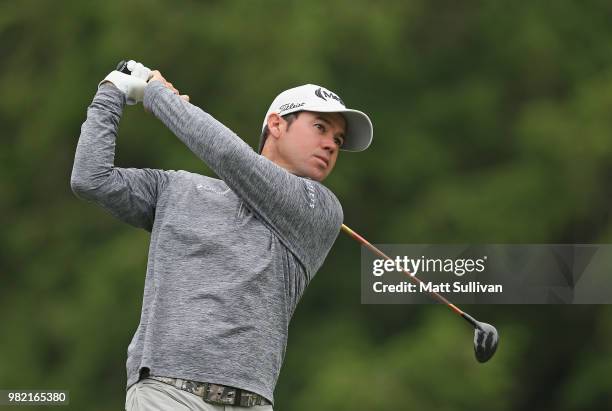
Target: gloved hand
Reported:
[(133, 84)]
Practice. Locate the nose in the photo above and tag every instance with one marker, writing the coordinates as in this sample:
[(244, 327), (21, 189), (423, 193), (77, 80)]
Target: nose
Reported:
[(329, 144)]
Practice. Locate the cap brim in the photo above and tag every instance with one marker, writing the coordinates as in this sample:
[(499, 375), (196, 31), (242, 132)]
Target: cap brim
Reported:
[(359, 130)]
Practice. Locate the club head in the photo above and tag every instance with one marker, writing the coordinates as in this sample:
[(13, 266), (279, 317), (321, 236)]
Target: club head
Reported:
[(485, 341)]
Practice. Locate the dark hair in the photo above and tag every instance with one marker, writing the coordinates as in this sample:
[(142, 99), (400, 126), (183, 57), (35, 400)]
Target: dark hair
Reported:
[(289, 118)]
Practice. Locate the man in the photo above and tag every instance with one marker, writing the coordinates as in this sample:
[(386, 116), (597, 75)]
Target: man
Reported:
[(229, 258)]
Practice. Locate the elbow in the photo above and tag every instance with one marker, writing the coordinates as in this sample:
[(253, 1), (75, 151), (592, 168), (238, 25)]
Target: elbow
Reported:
[(79, 187), (82, 187), (88, 185)]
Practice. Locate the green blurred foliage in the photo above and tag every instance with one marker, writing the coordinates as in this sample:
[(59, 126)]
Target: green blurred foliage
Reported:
[(492, 124)]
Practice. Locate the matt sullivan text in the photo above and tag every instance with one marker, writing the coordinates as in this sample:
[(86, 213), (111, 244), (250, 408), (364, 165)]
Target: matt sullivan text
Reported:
[(428, 287)]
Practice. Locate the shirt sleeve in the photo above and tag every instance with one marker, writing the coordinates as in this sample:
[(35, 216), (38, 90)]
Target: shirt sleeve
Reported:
[(129, 194), (304, 214)]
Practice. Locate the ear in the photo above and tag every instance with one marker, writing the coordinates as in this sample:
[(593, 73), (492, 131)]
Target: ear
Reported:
[(275, 124)]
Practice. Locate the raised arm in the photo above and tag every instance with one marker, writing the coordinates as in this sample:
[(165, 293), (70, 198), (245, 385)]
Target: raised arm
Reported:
[(303, 213), (129, 194)]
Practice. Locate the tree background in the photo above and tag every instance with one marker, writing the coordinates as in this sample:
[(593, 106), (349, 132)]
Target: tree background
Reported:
[(492, 125)]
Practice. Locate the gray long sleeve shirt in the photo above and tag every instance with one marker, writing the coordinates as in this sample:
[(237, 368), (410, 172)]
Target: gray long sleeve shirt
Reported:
[(228, 259)]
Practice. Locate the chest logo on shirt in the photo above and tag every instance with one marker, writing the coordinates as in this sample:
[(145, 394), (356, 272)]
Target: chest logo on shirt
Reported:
[(311, 194), (213, 189)]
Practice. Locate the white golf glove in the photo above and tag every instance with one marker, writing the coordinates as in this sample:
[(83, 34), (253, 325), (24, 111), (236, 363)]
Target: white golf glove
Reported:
[(132, 85)]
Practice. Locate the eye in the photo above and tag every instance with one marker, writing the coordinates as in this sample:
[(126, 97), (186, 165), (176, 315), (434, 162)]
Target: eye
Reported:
[(320, 126), (339, 141)]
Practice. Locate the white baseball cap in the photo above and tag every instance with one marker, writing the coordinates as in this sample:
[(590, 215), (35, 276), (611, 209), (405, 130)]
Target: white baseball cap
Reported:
[(310, 97)]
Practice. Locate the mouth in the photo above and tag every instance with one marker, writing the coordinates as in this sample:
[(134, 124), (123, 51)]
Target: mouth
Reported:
[(323, 160)]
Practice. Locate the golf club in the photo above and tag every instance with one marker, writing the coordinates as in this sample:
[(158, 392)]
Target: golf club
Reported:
[(122, 67), (486, 337)]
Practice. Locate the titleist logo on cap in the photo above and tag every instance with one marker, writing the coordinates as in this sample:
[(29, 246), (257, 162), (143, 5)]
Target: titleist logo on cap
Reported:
[(290, 106)]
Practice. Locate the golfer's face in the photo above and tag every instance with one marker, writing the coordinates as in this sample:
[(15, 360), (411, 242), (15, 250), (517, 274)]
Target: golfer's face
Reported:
[(310, 145)]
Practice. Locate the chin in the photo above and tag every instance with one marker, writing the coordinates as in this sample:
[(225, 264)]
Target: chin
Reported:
[(314, 173), (318, 176)]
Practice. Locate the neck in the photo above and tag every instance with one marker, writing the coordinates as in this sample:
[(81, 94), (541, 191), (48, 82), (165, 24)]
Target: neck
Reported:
[(271, 153)]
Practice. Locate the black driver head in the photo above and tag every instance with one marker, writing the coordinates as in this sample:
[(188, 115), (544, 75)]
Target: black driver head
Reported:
[(485, 341)]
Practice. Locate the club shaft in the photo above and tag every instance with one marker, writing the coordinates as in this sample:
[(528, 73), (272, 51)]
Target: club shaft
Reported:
[(414, 278)]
